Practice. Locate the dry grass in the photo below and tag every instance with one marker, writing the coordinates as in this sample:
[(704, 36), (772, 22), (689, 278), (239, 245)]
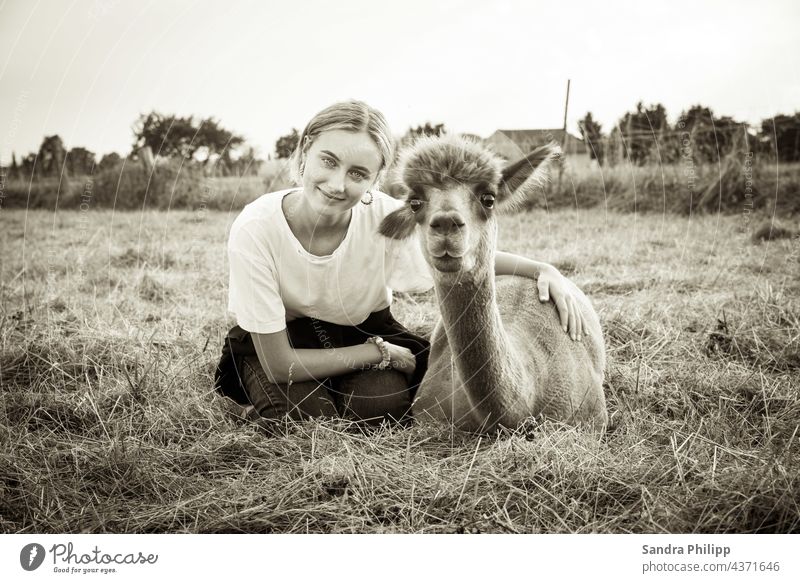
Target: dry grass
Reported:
[(111, 324)]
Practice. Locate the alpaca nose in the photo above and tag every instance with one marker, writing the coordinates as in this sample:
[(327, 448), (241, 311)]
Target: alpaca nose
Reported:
[(447, 222)]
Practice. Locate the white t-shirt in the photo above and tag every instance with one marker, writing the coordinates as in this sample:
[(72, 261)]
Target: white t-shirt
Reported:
[(274, 280)]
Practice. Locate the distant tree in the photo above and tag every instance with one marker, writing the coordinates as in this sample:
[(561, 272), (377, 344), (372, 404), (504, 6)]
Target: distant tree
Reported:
[(642, 131), (80, 161), (109, 161), (217, 141), (51, 156), (781, 134), (426, 130), (173, 136), (166, 135), (697, 128), (697, 116), (592, 135), (13, 171), (27, 166), (287, 144), (705, 137)]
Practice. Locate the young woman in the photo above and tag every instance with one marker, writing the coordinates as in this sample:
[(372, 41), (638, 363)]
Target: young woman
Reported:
[(311, 285)]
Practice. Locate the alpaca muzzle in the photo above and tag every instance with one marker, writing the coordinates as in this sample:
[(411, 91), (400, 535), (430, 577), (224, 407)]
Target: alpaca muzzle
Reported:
[(447, 254), (446, 223), (447, 234)]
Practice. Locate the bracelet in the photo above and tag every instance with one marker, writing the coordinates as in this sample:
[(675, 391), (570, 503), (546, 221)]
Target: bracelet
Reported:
[(386, 359)]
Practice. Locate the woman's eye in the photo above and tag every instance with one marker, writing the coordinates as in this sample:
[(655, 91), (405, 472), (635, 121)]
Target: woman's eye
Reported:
[(358, 175), (487, 200), (329, 162), (415, 204)]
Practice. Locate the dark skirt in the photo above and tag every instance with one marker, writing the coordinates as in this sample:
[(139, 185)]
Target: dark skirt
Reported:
[(318, 334)]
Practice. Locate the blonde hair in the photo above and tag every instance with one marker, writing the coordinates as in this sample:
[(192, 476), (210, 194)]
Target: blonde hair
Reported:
[(351, 116)]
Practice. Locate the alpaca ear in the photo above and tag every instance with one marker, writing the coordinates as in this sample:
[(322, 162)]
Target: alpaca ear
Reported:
[(398, 224), (525, 177)]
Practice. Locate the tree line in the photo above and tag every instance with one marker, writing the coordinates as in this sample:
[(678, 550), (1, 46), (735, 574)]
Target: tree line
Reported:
[(645, 136), (641, 136), (200, 142)]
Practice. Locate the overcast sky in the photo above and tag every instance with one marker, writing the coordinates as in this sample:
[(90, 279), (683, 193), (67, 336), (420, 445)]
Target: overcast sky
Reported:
[(85, 69)]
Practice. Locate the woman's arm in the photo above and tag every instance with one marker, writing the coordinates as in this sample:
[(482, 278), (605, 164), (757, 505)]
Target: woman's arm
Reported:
[(550, 283), (282, 363)]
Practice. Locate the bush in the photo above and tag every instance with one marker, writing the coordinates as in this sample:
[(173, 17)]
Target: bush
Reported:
[(128, 185), (41, 193)]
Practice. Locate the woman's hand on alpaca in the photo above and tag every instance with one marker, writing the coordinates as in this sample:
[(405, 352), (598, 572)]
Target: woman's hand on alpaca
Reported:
[(553, 285)]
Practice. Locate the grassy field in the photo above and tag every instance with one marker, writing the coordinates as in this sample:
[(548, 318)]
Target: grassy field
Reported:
[(111, 324)]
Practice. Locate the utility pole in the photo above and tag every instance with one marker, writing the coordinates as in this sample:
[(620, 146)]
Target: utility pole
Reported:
[(563, 140), (566, 107)]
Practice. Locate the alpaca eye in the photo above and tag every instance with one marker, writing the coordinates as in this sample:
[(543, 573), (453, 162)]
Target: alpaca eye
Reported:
[(415, 204), (487, 200)]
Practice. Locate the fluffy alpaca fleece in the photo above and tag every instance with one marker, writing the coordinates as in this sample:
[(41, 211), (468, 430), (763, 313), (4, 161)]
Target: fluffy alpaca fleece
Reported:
[(436, 162)]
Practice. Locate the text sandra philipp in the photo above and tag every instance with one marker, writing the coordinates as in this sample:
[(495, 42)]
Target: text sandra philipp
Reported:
[(65, 554)]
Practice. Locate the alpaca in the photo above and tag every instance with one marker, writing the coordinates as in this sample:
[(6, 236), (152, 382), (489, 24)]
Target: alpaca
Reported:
[(498, 355)]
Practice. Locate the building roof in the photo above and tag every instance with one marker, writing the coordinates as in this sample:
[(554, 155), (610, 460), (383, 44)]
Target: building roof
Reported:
[(526, 138), (538, 135)]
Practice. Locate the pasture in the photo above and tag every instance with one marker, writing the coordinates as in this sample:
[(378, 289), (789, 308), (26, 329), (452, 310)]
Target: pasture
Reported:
[(111, 325)]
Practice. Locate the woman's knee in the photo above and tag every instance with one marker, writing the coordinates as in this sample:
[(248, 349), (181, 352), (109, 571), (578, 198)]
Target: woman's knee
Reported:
[(374, 395), (299, 400)]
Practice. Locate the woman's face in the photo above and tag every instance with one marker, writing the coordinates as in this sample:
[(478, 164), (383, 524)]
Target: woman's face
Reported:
[(340, 166)]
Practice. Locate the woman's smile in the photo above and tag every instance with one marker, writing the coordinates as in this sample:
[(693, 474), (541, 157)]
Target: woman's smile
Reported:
[(331, 196)]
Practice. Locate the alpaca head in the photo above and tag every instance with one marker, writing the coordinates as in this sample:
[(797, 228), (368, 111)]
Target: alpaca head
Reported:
[(454, 188)]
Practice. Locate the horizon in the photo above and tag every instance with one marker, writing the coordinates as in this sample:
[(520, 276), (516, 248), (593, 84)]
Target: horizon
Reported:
[(86, 70)]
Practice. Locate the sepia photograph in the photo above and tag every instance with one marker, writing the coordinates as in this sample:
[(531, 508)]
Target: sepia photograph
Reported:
[(446, 267)]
